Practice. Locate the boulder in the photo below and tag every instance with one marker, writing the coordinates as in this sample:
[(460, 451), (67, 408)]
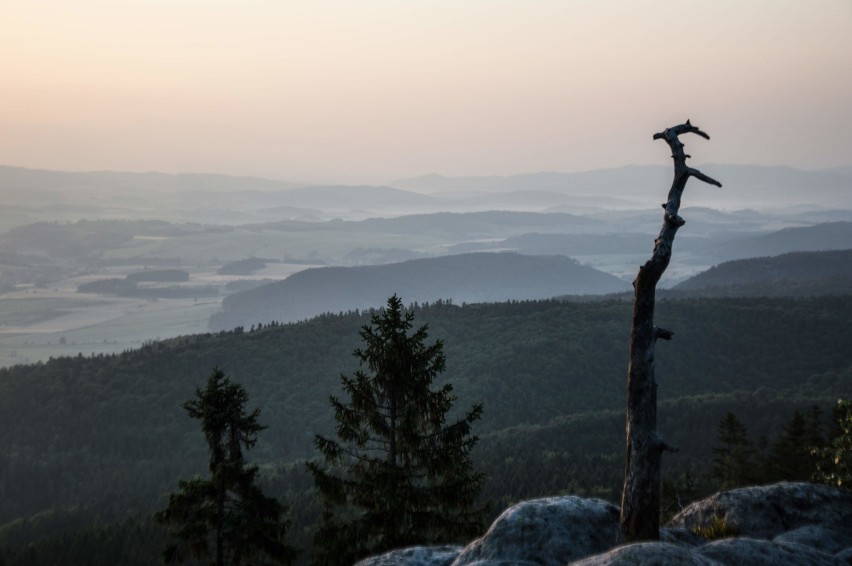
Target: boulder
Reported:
[(826, 540), (765, 512), (647, 553), (781, 524), (764, 553), (414, 556), (545, 532), (719, 553)]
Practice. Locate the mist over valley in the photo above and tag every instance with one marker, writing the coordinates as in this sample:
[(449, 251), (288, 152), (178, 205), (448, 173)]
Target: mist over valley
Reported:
[(71, 240)]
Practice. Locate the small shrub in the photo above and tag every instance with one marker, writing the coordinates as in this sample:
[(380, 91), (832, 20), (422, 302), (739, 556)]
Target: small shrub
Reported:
[(718, 528)]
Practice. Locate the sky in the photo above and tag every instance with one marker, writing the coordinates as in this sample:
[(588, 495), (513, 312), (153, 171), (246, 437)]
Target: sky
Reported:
[(373, 90)]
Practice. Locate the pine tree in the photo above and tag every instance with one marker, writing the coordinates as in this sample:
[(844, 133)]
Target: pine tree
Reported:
[(227, 512), (397, 475)]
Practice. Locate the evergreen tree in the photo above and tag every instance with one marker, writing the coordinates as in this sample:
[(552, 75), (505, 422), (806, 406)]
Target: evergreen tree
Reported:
[(813, 427), (834, 464), (227, 511), (397, 475), (732, 465), (791, 454)]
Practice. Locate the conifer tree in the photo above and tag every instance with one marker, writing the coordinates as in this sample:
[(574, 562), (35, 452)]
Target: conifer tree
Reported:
[(227, 512), (834, 465), (814, 426), (732, 465), (791, 454), (397, 475)]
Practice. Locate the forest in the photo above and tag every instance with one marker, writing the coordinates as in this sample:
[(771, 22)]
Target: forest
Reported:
[(90, 446)]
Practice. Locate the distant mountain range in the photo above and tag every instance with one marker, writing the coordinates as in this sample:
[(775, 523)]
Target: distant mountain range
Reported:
[(56, 195), (710, 235), (744, 186), (465, 278)]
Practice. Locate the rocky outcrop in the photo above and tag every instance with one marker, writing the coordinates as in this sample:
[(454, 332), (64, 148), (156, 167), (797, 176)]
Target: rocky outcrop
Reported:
[(719, 553), (656, 553), (778, 525), (764, 553), (765, 512), (415, 556), (548, 532)]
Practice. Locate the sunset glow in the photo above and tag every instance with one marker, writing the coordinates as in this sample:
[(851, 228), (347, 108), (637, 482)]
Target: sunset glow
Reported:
[(369, 91)]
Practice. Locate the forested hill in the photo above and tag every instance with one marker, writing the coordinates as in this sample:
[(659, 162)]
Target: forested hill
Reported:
[(478, 277), (824, 236), (787, 275), (108, 431)]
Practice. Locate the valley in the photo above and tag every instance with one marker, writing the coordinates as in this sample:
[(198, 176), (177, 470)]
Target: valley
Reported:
[(290, 229), (107, 325)]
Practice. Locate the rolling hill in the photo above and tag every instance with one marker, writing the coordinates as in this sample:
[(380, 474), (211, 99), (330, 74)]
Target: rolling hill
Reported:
[(465, 278), (819, 237), (788, 275), (750, 186), (333, 198)]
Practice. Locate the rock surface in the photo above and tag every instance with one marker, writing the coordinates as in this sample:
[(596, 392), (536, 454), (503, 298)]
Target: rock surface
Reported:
[(764, 553), (656, 553), (781, 524), (415, 556), (719, 553), (551, 531), (766, 512)]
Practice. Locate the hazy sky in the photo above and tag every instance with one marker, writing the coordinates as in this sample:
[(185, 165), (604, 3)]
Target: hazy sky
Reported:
[(371, 90)]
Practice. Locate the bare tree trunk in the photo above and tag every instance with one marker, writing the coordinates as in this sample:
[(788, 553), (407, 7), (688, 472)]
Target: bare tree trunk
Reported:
[(640, 500)]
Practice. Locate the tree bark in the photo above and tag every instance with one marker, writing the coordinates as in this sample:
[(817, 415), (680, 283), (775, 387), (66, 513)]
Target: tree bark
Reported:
[(640, 499)]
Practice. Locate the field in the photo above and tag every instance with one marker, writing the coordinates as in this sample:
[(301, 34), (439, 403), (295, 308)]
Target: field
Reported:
[(37, 324)]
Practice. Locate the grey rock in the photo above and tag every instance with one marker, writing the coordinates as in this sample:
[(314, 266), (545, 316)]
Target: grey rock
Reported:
[(648, 554), (781, 524), (488, 562), (414, 556), (723, 552), (681, 536), (764, 553), (816, 536), (550, 531), (766, 512)]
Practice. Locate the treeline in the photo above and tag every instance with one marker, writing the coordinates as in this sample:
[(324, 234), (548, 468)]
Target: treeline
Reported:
[(108, 431), (129, 286), (243, 266), (584, 454), (85, 239)]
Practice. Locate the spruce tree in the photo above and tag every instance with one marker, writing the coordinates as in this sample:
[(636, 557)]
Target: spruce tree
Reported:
[(791, 454), (226, 512), (732, 465), (397, 475)]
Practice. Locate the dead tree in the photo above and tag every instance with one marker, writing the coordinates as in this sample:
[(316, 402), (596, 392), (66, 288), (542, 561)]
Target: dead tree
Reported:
[(640, 500)]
